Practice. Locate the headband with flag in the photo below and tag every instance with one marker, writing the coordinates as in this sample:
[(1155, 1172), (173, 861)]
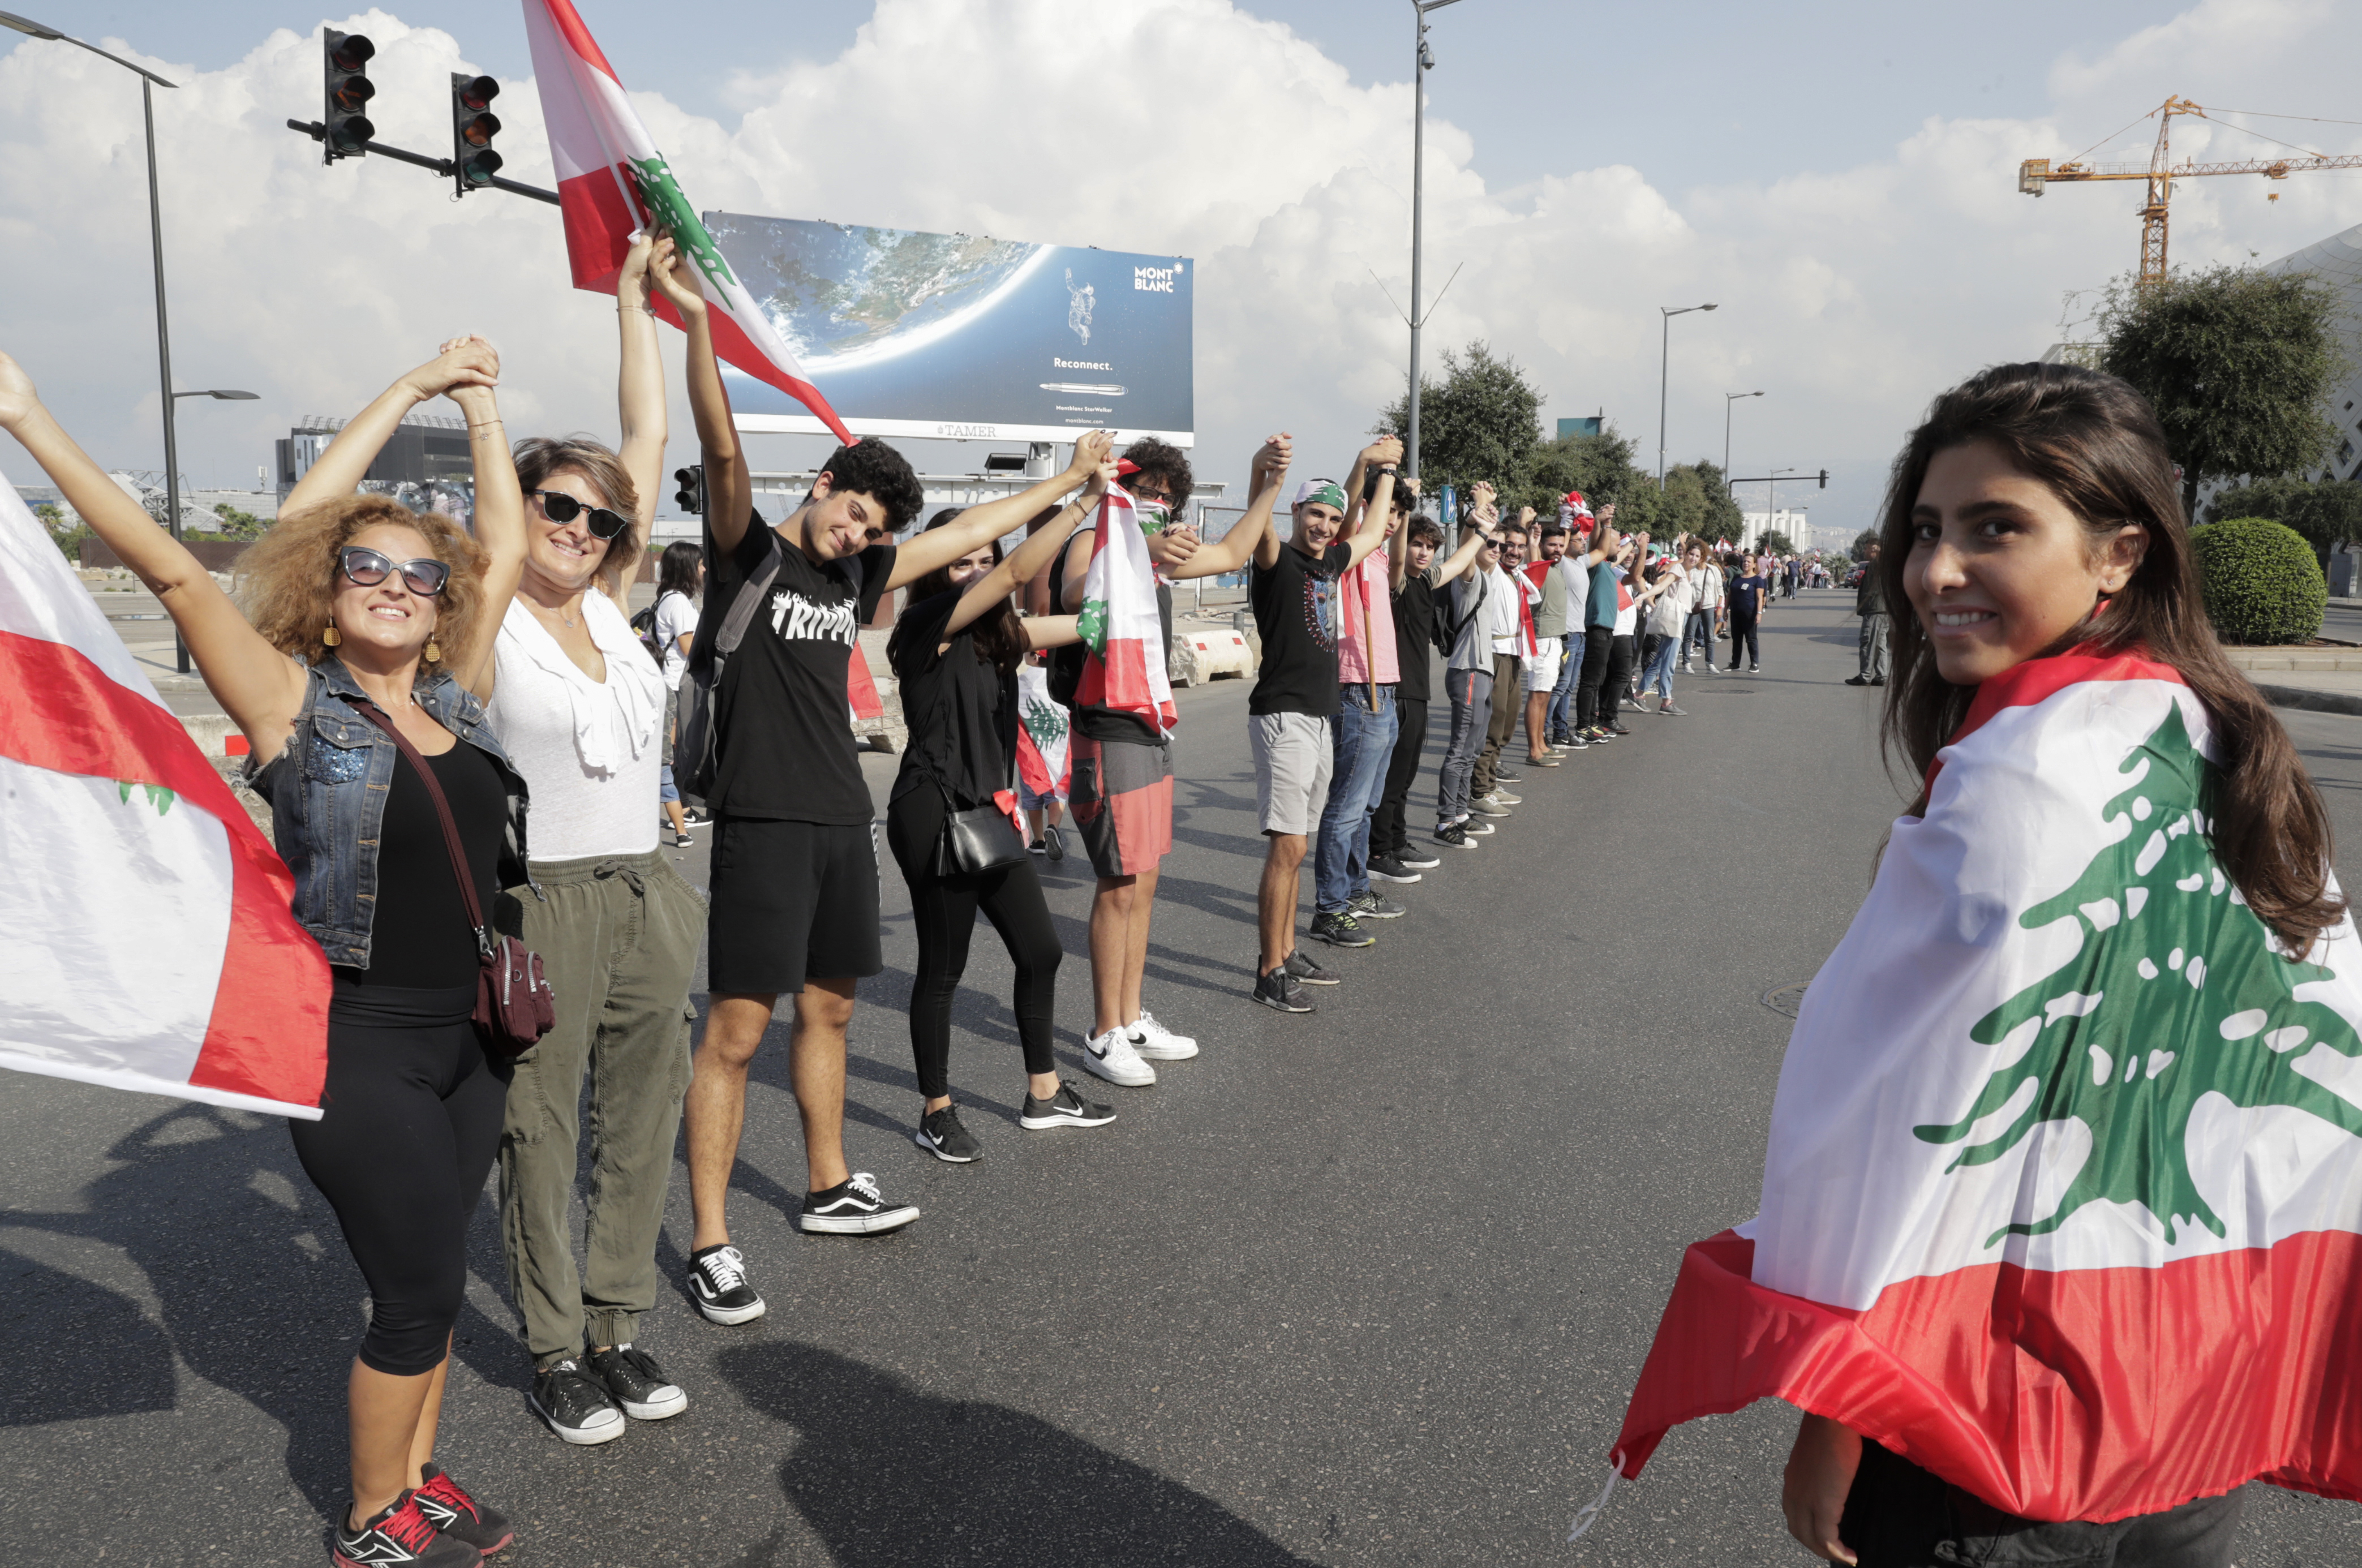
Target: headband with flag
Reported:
[(612, 182)]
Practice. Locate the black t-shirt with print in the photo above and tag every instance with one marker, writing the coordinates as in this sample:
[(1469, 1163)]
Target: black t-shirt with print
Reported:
[(783, 716), (1415, 637), (961, 709), (1294, 605)]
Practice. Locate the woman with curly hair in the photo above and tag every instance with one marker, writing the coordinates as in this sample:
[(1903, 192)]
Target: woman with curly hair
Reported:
[(363, 620)]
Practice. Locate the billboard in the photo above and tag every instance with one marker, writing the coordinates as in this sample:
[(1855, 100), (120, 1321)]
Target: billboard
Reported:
[(964, 337)]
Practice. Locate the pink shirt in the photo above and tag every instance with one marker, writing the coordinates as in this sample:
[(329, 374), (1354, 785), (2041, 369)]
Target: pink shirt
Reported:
[(1377, 627)]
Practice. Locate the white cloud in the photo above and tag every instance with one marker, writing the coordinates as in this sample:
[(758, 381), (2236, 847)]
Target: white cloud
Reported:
[(1188, 127)]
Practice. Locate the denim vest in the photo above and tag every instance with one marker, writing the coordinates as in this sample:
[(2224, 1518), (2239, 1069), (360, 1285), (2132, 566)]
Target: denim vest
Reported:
[(327, 790)]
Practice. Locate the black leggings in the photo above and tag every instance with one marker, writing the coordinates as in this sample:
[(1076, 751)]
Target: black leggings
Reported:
[(1742, 633), (1597, 643), (1388, 836), (944, 909), (406, 1136)]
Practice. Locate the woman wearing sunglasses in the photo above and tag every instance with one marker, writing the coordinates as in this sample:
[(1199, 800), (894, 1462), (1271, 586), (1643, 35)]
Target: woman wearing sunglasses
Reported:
[(577, 703), (364, 618)]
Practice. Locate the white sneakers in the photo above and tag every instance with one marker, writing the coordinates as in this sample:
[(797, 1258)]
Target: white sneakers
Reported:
[(1112, 1058), (1158, 1043)]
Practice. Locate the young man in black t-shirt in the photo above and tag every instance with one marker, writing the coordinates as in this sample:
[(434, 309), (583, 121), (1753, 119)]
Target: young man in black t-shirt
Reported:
[(794, 863), (1417, 581)]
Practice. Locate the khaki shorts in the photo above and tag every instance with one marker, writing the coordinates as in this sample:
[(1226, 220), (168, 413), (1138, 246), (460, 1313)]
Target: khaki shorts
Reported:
[(1293, 756)]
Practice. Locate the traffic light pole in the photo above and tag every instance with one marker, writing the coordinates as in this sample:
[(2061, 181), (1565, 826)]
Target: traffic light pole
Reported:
[(442, 166), (165, 354)]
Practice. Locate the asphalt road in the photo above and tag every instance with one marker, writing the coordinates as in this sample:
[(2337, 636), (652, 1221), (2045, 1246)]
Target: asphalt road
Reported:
[(1368, 1287)]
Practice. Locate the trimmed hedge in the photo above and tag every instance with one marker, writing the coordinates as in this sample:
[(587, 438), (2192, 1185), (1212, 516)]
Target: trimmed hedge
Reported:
[(2263, 582)]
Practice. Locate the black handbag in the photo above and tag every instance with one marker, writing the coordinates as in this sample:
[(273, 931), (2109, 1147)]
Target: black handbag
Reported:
[(977, 840)]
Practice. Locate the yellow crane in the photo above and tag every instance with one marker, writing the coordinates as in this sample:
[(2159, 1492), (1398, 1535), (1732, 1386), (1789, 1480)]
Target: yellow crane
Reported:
[(2037, 173)]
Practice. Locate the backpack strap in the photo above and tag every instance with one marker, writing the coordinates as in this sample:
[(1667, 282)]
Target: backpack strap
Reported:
[(751, 594)]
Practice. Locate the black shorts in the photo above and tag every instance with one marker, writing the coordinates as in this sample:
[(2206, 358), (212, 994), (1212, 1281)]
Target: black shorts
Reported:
[(791, 899)]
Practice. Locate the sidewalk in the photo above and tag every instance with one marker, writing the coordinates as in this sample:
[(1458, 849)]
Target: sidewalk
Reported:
[(2323, 681)]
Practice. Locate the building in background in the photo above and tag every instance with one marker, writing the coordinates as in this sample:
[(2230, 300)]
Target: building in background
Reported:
[(1794, 520), (425, 466), (2337, 262)]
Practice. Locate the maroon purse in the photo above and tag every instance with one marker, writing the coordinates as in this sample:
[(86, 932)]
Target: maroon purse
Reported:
[(513, 1005)]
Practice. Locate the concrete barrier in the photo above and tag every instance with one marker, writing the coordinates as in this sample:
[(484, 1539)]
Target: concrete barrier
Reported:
[(1209, 653)]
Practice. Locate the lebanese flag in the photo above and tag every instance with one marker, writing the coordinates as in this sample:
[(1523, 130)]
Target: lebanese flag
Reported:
[(1042, 734), (860, 688), (2063, 1197), (147, 926), (612, 182), (1124, 670)]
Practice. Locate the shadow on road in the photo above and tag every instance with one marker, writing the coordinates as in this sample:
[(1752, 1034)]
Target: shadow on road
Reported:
[(889, 1477)]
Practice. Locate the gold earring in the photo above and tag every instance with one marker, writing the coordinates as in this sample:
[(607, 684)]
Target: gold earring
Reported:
[(332, 637), (434, 653)]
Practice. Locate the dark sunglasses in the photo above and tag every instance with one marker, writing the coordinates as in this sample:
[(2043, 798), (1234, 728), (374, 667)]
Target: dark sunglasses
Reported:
[(561, 508), (426, 577)]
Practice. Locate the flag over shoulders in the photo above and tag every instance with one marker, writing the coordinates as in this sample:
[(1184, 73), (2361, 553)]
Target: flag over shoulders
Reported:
[(612, 182), (150, 938), (2062, 1199)]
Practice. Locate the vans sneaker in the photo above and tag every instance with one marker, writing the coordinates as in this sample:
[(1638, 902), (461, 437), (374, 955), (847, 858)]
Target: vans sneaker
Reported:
[(1112, 1058), (575, 1405), (635, 1381), (717, 1283), (1157, 1043), (854, 1207), (1064, 1108)]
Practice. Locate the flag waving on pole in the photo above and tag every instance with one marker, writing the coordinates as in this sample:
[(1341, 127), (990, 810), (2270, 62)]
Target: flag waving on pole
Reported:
[(150, 939), (1123, 671), (612, 182), (2063, 1195)]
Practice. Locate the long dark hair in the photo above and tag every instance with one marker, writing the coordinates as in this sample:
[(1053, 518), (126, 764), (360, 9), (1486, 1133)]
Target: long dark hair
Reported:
[(1000, 635), (676, 569), (2097, 444)]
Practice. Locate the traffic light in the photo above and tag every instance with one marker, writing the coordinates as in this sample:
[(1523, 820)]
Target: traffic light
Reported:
[(691, 496), (473, 125), (1824, 479), (346, 58)]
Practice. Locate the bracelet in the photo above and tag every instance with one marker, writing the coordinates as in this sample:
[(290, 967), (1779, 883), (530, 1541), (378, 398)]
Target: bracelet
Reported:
[(641, 310)]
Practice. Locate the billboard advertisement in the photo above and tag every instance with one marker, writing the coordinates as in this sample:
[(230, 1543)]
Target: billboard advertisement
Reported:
[(963, 336)]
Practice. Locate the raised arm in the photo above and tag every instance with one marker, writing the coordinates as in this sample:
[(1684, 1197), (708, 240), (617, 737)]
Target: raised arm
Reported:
[(729, 492), (1472, 537), (640, 404), (499, 530), (1369, 530), (980, 525), (1030, 558), (260, 688), (1398, 544), (1266, 474), (463, 361)]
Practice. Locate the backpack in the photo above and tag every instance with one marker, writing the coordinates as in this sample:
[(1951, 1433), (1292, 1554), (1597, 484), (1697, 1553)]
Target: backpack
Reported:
[(1449, 639), (696, 746), (644, 626)]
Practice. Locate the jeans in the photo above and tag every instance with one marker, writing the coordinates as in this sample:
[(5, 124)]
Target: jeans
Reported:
[(1659, 678), (1365, 741), (1742, 630), (1388, 836), (1560, 717), (1698, 632), (1873, 645), (1471, 692)]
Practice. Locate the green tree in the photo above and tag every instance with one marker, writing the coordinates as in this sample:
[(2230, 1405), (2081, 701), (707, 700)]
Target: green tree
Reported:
[(237, 525), (2326, 511), (1776, 542), (1862, 542), (1483, 421), (2237, 364), (1600, 466)]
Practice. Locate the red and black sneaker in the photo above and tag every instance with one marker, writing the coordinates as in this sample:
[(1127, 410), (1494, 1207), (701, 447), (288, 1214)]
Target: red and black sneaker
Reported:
[(401, 1534), (449, 1509)]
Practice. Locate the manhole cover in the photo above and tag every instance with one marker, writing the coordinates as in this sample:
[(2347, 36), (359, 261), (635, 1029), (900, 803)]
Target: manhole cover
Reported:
[(1788, 998)]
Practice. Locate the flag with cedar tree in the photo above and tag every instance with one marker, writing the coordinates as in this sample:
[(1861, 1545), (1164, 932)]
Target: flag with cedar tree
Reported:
[(2063, 1195), (1123, 670)]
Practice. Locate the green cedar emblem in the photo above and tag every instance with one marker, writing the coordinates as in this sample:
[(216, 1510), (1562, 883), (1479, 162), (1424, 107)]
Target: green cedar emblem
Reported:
[(2176, 992), (1092, 626), (158, 795), (669, 210), (1045, 722)]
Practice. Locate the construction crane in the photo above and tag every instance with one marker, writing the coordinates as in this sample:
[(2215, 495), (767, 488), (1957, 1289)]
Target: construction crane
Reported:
[(2160, 171)]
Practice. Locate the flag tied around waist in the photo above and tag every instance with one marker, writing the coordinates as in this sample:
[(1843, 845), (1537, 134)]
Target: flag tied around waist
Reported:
[(150, 939), (612, 182), (1123, 671), (2063, 1195)]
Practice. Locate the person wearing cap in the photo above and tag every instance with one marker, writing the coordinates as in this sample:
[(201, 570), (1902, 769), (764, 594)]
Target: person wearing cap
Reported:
[(1294, 594), (1368, 716)]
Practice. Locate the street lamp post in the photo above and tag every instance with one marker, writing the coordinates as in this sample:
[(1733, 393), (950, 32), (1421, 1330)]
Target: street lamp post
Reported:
[(1728, 399), (1422, 61), (148, 82), (1664, 378)]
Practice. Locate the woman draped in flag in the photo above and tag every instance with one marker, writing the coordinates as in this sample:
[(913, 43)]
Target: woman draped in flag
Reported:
[(364, 619), (2061, 1224), (955, 650)]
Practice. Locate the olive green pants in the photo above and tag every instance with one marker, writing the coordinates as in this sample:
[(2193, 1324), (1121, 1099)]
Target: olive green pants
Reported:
[(618, 938)]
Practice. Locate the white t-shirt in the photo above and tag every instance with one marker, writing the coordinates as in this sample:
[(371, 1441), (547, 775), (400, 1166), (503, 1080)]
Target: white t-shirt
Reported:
[(676, 619), (1502, 606), (588, 751)]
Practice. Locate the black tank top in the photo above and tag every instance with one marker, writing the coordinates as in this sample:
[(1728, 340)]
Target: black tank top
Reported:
[(419, 936)]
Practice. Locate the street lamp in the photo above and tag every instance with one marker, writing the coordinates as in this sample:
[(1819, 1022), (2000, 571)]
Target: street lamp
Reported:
[(148, 82), (1422, 61), (1728, 399), (1664, 373), (223, 394)]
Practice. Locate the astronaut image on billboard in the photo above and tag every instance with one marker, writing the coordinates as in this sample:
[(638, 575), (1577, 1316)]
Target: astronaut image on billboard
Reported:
[(963, 336)]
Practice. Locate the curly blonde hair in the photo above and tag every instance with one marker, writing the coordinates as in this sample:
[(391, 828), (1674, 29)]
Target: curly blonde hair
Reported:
[(288, 578)]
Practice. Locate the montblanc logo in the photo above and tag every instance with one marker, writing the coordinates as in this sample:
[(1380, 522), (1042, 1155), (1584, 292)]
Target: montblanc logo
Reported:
[(1154, 279), (1080, 364)]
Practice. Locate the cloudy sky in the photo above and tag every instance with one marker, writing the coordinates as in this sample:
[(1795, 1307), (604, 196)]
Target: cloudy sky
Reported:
[(1839, 178)]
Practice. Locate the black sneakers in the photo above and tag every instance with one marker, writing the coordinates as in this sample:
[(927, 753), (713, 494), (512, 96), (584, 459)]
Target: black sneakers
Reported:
[(1386, 868), (1419, 859), (401, 1534), (1451, 835), (1064, 1108), (717, 1283), (635, 1381), (1305, 972), (1338, 929), (1370, 906), (854, 1208), (575, 1405), (1280, 991), (454, 1513), (941, 1134)]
